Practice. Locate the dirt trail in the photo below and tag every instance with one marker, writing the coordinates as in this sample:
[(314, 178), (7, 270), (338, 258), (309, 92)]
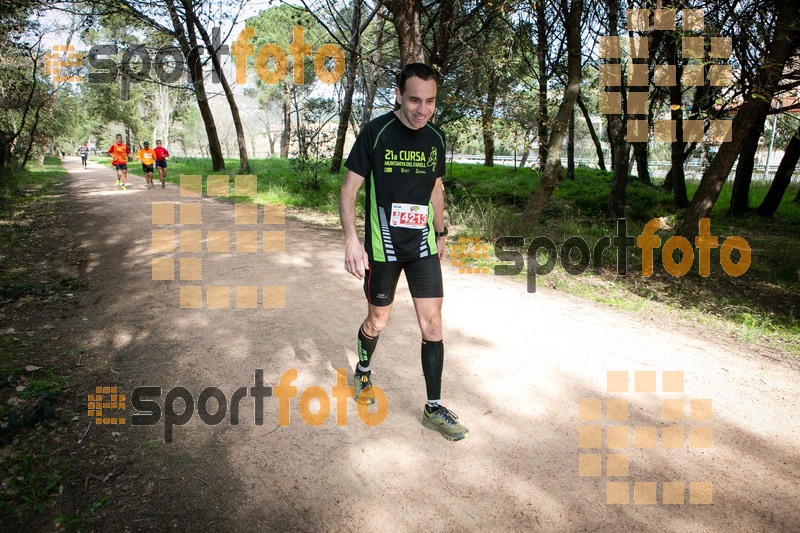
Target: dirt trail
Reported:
[(516, 367)]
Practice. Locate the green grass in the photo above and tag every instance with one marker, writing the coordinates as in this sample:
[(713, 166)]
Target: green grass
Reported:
[(21, 187), (33, 480)]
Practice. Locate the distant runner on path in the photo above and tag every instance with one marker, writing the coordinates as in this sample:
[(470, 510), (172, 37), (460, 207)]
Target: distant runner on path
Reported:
[(83, 151), (119, 152), (161, 162), (148, 158)]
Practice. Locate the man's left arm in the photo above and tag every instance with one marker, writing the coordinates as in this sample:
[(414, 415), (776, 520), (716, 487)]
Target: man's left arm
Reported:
[(437, 200)]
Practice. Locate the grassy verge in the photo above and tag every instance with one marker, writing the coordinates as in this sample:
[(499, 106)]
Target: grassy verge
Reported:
[(31, 475)]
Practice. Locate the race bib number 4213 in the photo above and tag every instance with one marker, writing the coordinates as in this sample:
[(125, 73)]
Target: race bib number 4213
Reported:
[(409, 216)]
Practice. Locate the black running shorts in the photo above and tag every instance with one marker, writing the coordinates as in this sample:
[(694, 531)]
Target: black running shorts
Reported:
[(147, 168), (424, 277), (121, 166), (161, 163)]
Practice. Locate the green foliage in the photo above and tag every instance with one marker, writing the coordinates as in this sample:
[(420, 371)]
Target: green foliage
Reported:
[(33, 480), (278, 182), (314, 140), (588, 193), (48, 387)]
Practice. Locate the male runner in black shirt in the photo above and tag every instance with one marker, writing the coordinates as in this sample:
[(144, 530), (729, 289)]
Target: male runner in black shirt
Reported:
[(400, 155)]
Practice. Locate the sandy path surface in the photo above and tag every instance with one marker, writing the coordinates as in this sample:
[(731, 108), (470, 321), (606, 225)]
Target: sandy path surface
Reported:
[(517, 366)]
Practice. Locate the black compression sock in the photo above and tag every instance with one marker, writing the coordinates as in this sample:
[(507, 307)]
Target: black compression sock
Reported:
[(432, 365), (366, 346)]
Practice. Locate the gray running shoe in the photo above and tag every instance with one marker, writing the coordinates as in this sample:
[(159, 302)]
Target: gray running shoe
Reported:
[(445, 421)]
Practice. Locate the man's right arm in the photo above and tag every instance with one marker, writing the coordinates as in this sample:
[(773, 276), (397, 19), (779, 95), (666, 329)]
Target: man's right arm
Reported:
[(355, 257)]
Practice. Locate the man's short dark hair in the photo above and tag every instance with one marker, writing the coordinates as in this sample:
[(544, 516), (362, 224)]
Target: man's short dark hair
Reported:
[(420, 70)]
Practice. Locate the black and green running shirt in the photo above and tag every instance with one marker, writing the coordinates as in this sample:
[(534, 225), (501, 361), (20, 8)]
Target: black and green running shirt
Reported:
[(400, 166)]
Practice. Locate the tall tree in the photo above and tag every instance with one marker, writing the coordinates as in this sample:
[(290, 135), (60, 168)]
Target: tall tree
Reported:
[(553, 169), (620, 147), (187, 41), (348, 36), (544, 78), (781, 48), (406, 20), (783, 176), (193, 18)]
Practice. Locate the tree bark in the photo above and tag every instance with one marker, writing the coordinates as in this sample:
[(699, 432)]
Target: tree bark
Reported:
[(677, 158), (31, 137), (783, 177), (188, 44), (601, 163), (447, 11), (286, 134), (487, 120), (405, 17), (244, 162), (740, 193), (349, 87), (552, 168), (374, 71), (753, 111), (541, 60), (571, 147), (620, 147), (640, 149)]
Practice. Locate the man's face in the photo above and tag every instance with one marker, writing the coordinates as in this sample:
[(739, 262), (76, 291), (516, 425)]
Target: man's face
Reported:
[(158, 143), (417, 103), (119, 139)]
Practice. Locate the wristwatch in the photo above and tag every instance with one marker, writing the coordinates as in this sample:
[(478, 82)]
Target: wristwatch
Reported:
[(442, 233)]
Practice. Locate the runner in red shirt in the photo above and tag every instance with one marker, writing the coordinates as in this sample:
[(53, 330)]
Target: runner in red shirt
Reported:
[(161, 162), (119, 152)]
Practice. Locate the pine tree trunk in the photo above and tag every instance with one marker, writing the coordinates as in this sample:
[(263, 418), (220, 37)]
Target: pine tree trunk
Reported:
[(571, 146), (752, 112), (541, 59), (782, 179), (188, 44), (620, 147), (601, 163), (349, 87), (487, 121), (406, 23), (244, 161), (552, 168), (740, 194)]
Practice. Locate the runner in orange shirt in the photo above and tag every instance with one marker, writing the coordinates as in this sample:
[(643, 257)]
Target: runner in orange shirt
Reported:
[(119, 158), (148, 158)]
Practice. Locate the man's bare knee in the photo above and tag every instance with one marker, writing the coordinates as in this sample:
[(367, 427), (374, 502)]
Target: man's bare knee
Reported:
[(374, 324)]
